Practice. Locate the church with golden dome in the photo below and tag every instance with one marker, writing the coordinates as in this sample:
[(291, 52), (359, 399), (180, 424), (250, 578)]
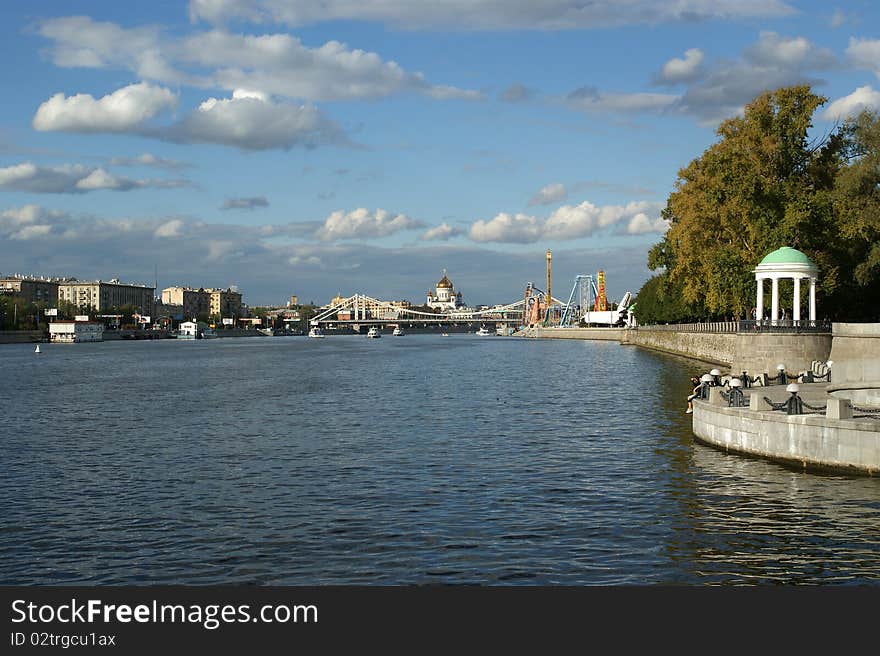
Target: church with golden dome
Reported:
[(444, 296)]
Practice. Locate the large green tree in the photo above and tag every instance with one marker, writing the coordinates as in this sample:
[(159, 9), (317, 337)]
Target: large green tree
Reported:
[(762, 185)]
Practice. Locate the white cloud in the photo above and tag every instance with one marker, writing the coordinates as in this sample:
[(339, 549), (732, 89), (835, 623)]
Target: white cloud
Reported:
[(250, 123), (472, 15), (552, 193), (789, 53), (168, 229), (570, 222), (865, 53), (688, 69), (244, 203), (591, 100), (516, 93), (512, 228), (442, 232), (267, 64), (863, 98), (363, 224), (121, 111), (773, 61), (148, 159), (72, 179), (837, 19)]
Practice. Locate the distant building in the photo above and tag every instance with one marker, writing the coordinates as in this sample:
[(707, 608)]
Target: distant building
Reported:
[(293, 302), (76, 331), (104, 296), (194, 302), (31, 290), (224, 303), (444, 296)]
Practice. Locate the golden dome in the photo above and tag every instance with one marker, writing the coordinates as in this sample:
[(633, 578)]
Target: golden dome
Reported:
[(444, 283)]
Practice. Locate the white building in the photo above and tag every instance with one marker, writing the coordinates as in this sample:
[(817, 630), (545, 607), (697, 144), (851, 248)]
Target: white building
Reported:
[(444, 297), (76, 331)]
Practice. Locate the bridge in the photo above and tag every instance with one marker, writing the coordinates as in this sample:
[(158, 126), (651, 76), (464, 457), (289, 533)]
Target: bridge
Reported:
[(361, 310)]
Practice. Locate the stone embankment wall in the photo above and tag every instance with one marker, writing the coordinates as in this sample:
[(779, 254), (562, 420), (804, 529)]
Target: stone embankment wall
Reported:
[(20, 336), (602, 334), (760, 352), (808, 441), (714, 348), (856, 353)]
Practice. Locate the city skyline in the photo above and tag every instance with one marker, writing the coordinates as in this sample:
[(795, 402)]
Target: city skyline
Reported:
[(293, 147)]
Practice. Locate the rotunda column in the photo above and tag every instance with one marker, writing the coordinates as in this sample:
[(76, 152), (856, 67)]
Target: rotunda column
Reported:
[(759, 314), (774, 306), (812, 299), (796, 310)]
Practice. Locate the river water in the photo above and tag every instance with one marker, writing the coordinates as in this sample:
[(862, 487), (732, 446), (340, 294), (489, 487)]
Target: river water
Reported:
[(414, 460)]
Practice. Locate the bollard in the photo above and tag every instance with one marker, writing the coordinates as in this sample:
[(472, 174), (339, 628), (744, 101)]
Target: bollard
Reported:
[(715, 397), (839, 408), (737, 399), (794, 404), (747, 381), (780, 373)]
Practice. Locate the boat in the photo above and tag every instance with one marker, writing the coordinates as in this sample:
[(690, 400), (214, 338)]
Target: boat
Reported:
[(482, 332), (315, 332), (37, 350), (374, 333), (209, 333), (444, 334), (398, 332), (188, 330), (268, 332)]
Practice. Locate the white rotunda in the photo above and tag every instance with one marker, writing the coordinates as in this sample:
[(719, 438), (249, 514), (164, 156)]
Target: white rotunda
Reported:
[(782, 264)]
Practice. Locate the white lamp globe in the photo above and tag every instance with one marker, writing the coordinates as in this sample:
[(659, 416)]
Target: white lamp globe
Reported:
[(793, 388)]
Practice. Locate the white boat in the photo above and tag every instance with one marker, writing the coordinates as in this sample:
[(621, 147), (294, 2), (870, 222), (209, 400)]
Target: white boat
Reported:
[(268, 332), (37, 350), (209, 333), (374, 332), (398, 332), (482, 332), (315, 332)]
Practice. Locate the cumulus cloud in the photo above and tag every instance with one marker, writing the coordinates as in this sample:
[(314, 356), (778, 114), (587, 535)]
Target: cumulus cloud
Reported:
[(244, 203), (148, 159), (552, 193), (249, 122), (472, 15), (792, 53), (363, 224), (591, 100), (865, 53), (688, 69), (863, 98), (49, 242), (773, 61), (570, 222), (442, 232), (274, 64), (516, 93), (72, 179), (121, 111)]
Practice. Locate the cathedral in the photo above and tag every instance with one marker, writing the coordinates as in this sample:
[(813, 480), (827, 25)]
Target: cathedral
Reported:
[(444, 297)]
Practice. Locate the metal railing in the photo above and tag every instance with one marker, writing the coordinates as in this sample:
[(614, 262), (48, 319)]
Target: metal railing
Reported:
[(746, 326)]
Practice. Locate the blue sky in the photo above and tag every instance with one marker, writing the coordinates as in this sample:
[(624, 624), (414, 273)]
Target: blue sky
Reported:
[(311, 148)]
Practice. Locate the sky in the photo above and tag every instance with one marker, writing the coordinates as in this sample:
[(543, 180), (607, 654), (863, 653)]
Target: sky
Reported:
[(317, 147)]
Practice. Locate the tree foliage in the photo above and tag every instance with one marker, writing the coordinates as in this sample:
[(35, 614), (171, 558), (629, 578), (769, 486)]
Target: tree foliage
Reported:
[(765, 184)]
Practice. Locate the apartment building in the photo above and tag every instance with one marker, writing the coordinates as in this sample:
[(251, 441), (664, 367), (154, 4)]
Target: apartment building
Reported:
[(104, 296), (30, 289)]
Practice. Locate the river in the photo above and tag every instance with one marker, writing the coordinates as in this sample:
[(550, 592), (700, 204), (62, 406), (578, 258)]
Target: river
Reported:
[(412, 460)]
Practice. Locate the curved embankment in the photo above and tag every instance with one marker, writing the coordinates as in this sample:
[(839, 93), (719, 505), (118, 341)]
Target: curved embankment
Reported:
[(753, 352), (812, 442)]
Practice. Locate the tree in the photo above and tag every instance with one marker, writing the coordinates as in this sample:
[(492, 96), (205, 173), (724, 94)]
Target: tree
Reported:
[(761, 186), (856, 198)]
